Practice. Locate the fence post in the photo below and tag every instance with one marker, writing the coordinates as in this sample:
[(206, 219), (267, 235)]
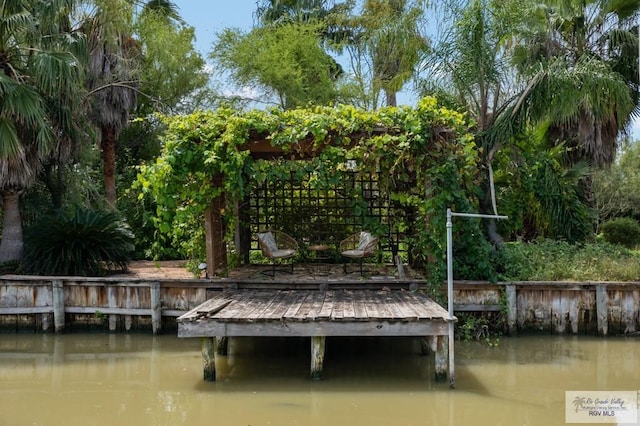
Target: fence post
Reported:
[(512, 308), (58, 305), (156, 308), (602, 309)]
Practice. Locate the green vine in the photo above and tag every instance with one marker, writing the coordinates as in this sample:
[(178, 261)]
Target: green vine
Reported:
[(425, 157)]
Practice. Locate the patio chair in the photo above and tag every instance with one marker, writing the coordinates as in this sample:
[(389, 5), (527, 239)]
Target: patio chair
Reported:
[(277, 246), (358, 246)]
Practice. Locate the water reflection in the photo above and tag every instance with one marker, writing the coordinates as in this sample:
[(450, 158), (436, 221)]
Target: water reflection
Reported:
[(97, 379)]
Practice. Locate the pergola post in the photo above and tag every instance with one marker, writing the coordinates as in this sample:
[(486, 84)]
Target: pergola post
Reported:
[(214, 228)]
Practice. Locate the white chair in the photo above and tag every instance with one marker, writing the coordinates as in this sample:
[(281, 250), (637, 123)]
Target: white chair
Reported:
[(358, 246), (277, 246)]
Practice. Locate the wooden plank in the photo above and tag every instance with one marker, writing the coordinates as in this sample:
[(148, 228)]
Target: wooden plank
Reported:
[(423, 306), (27, 310), (262, 304), (251, 301), (359, 306), (327, 306), (279, 305), (470, 307), (238, 300), (348, 310), (370, 306), (408, 309), (312, 328), (338, 306), (394, 307), (294, 307), (312, 306)]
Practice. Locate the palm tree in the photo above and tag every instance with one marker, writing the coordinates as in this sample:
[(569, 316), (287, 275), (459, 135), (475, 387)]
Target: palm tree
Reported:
[(39, 87), (111, 79), (580, 58), (392, 36), (471, 63)]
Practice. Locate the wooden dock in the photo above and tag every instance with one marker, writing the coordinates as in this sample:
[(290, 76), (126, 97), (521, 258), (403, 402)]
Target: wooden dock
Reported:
[(317, 314)]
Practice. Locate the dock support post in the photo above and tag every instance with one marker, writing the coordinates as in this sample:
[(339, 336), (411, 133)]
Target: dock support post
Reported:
[(602, 309), (209, 358), (442, 359), (439, 345), (223, 345), (317, 356), (512, 308), (58, 305), (156, 308)]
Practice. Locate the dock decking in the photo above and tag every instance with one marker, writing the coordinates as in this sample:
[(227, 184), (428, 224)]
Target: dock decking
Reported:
[(317, 314)]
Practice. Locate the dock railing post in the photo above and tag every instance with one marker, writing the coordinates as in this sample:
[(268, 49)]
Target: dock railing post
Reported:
[(450, 216)]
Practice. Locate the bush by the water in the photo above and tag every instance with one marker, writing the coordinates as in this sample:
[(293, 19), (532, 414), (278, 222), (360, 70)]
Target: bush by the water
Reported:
[(85, 243), (622, 230), (549, 260)]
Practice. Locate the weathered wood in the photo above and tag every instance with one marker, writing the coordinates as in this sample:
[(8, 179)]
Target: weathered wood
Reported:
[(305, 329), (113, 304), (58, 305), (27, 310), (222, 345), (209, 358), (156, 308), (317, 356), (215, 230), (602, 308), (476, 307), (442, 357), (512, 308)]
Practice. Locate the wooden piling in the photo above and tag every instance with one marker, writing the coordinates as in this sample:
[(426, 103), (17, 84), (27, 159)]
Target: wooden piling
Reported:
[(156, 308), (602, 305), (442, 358), (512, 308), (439, 346), (317, 356), (209, 358), (58, 305), (223, 345)]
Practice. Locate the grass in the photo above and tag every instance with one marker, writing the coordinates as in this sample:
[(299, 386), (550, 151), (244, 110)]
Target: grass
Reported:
[(549, 260)]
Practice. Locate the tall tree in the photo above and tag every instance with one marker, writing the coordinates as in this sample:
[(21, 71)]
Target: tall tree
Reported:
[(471, 61), (286, 60), (581, 59), (385, 47), (112, 78), (40, 85)]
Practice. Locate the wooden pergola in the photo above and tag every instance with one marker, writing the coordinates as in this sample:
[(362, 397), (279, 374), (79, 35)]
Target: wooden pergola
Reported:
[(260, 147)]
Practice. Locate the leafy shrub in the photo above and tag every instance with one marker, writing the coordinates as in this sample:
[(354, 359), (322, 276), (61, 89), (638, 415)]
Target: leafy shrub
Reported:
[(622, 230), (83, 243), (549, 260)]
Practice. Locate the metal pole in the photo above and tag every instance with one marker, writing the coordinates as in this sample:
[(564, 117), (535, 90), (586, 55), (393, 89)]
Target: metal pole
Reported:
[(450, 297), (450, 215)]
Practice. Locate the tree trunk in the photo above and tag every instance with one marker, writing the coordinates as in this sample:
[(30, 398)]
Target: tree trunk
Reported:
[(486, 207), (12, 243), (392, 99), (108, 146)]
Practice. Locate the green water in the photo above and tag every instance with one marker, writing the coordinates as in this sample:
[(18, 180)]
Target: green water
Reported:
[(100, 379)]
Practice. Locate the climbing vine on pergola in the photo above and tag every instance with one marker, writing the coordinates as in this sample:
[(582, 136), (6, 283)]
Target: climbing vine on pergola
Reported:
[(425, 157)]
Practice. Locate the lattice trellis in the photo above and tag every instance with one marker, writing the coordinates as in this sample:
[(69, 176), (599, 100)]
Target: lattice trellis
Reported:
[(325, 215)]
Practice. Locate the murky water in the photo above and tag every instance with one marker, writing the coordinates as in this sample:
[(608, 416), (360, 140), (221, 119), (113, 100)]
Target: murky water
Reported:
[(96, 379)]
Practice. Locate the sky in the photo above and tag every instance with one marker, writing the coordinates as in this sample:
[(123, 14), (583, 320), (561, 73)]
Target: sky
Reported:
[(209, 17)]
